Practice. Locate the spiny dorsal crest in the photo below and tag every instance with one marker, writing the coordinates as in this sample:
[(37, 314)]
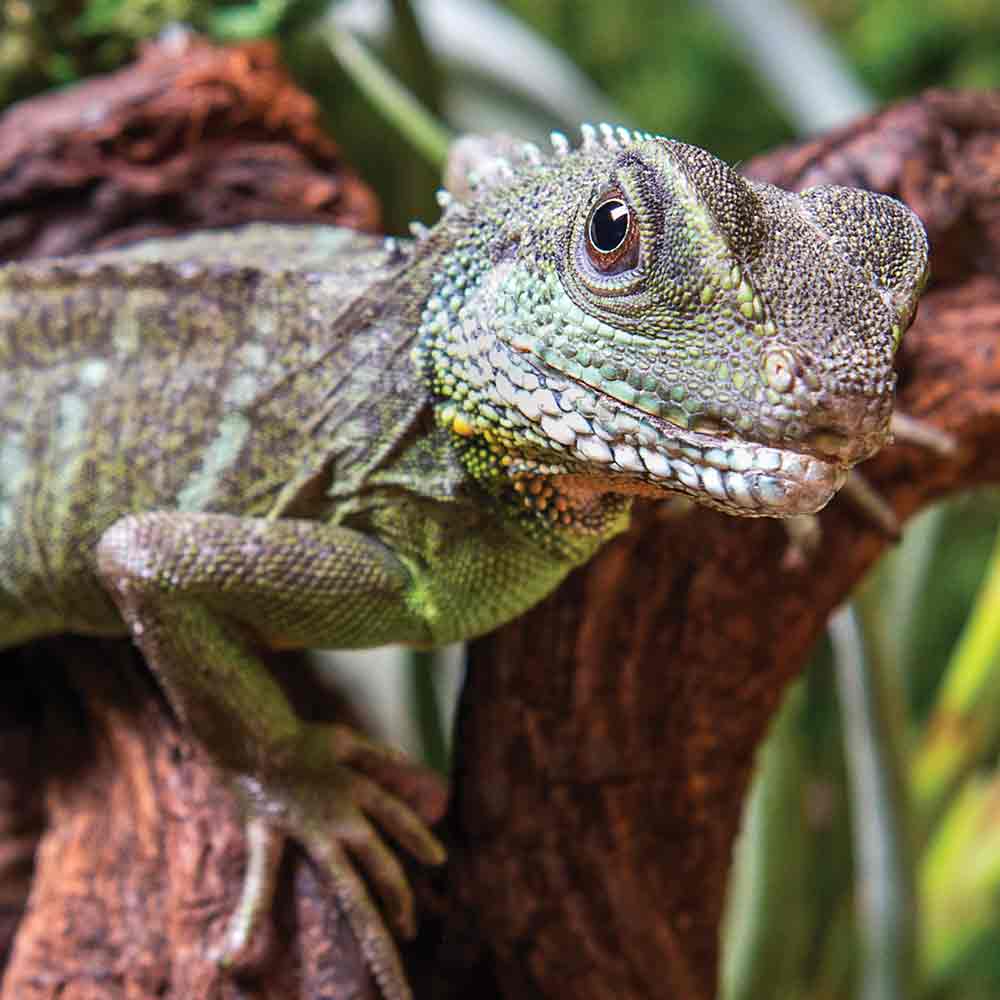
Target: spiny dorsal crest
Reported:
[(477, 163)]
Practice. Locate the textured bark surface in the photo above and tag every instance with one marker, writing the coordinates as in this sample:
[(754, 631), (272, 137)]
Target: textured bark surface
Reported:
[(142, 858), (606, 738), (192, 136)]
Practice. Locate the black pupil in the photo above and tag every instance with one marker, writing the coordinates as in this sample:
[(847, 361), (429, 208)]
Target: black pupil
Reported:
[(609, 225)]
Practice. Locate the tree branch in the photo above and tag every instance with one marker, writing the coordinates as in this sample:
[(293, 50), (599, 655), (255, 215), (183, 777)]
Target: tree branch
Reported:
[(606, 739)]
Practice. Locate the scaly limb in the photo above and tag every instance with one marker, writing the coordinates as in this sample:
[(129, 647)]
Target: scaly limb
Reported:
[(200, 593)]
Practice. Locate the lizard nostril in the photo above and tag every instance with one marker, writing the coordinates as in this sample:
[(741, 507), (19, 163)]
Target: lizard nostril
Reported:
[(780, 369)]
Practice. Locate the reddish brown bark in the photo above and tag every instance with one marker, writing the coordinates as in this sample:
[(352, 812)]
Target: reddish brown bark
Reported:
[(605, 740), (142, 858), (192, 136)]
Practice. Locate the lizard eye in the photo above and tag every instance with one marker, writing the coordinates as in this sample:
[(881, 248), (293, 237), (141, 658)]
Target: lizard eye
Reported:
[(612, 237)]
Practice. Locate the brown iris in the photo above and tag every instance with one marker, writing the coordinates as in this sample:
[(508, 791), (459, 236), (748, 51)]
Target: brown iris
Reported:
[(612, 236)]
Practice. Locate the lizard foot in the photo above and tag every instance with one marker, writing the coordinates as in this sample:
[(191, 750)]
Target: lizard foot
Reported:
[(323, 793)]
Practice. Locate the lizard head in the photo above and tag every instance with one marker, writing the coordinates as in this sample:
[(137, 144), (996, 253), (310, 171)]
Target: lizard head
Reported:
[(636, 313)]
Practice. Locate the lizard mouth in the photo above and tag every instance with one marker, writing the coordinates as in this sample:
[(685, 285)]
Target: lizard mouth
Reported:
[(649, 455), (645, 453), (735, 475)]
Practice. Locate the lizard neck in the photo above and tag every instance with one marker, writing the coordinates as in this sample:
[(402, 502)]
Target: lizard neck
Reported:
[(501, 414), (568, 513)]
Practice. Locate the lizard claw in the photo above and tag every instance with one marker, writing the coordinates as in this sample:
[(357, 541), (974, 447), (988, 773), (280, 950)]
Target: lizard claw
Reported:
[(325, 796), (241, 947)]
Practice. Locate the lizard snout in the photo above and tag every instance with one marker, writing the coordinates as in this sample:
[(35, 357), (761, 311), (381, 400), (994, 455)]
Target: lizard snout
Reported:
[(850, 429)]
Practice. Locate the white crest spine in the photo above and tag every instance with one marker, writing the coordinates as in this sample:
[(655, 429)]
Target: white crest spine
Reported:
[(530, 153)]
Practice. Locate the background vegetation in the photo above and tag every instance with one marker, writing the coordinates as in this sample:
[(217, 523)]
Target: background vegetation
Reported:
[(931, 647)]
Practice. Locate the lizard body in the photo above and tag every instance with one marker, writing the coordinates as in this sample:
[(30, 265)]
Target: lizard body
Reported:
[(257, 388), (306, 437)]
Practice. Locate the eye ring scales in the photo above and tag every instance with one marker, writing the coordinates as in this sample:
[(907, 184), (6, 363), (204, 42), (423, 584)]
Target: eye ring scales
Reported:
[(612, 236)]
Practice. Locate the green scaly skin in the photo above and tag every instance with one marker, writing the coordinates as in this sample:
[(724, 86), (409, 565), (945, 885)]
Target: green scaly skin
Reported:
[(307, 437)]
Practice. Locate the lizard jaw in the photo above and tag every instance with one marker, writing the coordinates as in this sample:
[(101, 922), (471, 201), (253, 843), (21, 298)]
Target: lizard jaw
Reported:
[(630, 451), (627, 450), (737, 476)]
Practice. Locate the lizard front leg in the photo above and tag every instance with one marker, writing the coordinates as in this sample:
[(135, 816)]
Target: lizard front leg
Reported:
[(200, 593)]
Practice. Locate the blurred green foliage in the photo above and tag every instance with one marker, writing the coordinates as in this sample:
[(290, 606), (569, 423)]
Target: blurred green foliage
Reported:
[(673, 67), (44, 43), (670, 66)]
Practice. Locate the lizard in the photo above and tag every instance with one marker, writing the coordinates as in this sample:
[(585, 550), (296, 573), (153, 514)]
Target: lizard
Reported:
[(284, 436)]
